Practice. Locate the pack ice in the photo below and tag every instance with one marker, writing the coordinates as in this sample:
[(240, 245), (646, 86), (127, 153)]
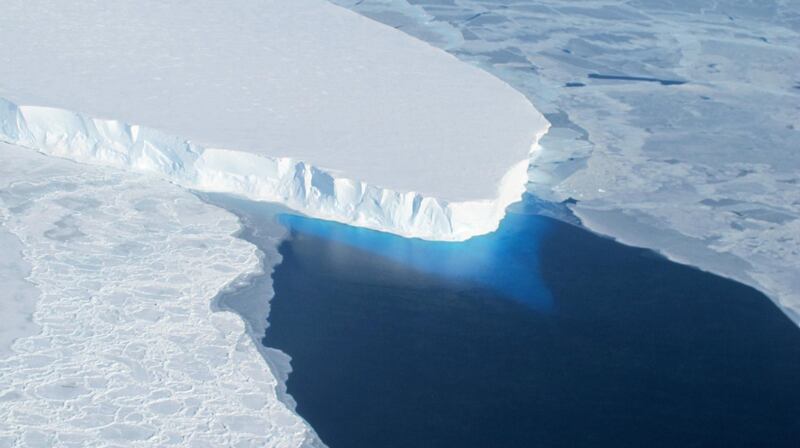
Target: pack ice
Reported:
[(125, 346), (675, 124), (317, 107)]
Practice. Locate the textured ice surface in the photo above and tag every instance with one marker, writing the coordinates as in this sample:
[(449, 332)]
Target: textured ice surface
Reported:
[(303, 79), (131, 352), (17, 296), (676, 125)]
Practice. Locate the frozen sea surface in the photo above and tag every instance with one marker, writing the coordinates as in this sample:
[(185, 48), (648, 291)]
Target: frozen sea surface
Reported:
[(17, 295), (676, 124), (130, 350)]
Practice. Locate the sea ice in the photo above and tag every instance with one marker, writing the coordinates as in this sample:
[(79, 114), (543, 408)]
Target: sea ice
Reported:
[(17, 296), (130, 350)]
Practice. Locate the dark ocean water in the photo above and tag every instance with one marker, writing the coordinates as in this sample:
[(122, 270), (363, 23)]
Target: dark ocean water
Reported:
[(539, 335)]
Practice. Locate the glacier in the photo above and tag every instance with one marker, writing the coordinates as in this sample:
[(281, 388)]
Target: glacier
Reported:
[(17, 296), (302, 102), (296, 184)]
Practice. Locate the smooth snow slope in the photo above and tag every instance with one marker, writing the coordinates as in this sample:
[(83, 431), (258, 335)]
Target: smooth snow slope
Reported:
[(302, 79)]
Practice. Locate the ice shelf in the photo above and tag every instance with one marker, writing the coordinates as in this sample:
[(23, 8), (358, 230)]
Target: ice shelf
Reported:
[(327, 111)]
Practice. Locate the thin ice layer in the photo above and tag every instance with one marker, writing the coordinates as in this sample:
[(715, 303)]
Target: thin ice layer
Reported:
[(675, 124)]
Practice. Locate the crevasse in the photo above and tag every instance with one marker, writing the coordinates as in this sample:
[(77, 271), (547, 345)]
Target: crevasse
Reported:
[(296, 184)]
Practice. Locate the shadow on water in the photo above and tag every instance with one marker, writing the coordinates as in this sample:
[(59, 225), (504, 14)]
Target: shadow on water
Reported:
[(541, 335)]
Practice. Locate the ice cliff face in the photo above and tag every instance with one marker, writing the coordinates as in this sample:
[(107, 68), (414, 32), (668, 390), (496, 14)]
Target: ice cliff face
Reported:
[(296, 184), (304, 79)]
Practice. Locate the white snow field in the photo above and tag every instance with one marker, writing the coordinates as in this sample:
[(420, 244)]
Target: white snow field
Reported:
[(706, 172), (317, 107), (130, 351)]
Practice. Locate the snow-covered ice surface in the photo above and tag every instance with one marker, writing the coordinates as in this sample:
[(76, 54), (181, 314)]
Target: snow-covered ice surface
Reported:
[(17, 296), (130, 350), (676, 124), (401, 136)]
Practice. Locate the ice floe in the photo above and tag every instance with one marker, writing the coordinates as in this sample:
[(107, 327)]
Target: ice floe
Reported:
[(296, 184), (675, 124), (129, 351)]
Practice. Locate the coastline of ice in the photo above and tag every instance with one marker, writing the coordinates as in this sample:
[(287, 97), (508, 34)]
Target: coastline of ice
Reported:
[(295, 184), (354, 120), (131, 350), (702, 167)]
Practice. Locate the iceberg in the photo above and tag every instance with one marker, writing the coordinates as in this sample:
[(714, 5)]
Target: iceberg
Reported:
[(303, 103)]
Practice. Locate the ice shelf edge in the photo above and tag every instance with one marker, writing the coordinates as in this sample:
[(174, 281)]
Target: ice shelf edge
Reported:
[(296, 184)]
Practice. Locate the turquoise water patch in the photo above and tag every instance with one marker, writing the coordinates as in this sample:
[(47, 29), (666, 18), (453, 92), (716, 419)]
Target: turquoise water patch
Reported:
[(505, 261)]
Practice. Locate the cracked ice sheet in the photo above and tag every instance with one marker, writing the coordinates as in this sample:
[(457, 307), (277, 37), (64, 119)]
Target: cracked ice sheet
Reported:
[(130, 352), (17, 296), (707, 172)]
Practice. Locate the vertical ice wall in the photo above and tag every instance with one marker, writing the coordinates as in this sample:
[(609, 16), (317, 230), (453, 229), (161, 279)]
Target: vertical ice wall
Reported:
[(350, 119), (675, 124), (296, 184)]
